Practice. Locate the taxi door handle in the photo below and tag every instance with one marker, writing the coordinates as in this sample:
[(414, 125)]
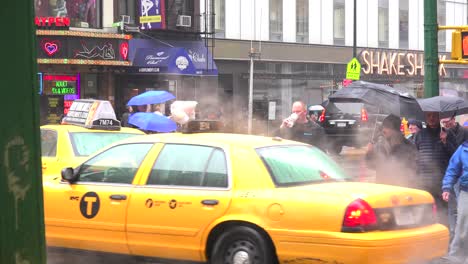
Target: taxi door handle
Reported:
[(210, 202), (118, 197)]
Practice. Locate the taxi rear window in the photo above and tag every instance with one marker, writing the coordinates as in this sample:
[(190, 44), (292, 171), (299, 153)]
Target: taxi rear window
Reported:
[(86, 143), (299, 165)]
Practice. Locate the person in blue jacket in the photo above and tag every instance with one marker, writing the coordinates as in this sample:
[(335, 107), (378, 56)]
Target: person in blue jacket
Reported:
[(457, 170)]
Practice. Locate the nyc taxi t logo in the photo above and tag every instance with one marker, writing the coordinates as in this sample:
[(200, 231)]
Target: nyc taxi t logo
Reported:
[(89, 205)]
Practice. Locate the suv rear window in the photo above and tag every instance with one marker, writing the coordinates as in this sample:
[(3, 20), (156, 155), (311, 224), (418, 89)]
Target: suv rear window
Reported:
[(344, 107), (298, 165)]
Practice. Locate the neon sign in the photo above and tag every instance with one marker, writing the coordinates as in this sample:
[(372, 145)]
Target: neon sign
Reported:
[(124, 50), (60, 78), (52, 21), (60, 84), (50, 47)]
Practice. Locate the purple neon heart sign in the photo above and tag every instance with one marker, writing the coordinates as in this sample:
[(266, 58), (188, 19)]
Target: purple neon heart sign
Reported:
[(50, 46)]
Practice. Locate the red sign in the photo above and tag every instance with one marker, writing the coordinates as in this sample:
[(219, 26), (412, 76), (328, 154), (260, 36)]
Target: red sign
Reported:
[(48, 77), (52, 21), (124, 50), (66, 106)]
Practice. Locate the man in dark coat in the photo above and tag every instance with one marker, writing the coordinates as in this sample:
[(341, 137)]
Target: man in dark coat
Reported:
[(433, 158), (456, 134), (298, 127), (393, 156)]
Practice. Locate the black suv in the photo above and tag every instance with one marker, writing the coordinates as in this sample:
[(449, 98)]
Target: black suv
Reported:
[(349, 123)]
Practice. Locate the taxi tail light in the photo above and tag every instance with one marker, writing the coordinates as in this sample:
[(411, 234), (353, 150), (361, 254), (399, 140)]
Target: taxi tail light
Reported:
[(359, 217), (364, 116), (322, 116)]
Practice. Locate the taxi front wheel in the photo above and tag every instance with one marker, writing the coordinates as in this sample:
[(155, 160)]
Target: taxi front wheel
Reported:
[(242, 244)]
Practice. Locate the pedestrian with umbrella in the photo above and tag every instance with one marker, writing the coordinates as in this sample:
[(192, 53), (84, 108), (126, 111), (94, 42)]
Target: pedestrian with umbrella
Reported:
[(151, 122), (452, 135), (433, 157), (393, 152), (141, 117)]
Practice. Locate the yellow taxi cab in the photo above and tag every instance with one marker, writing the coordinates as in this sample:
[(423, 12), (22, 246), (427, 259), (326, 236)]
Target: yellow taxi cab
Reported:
[(70, 143), (226, 198)]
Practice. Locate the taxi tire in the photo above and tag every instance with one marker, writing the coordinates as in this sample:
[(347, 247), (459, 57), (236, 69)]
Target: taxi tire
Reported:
[(246, 239)]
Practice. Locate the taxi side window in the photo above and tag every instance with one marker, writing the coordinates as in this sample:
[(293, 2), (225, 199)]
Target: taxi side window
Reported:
[(48, 143), (190, 165), (115, 165)]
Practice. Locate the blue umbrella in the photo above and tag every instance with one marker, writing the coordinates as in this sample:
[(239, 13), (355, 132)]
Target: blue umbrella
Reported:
[(151, 97), (152, 122)]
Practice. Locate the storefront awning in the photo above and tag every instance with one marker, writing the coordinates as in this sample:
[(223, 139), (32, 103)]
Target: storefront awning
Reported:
[(184, 57)]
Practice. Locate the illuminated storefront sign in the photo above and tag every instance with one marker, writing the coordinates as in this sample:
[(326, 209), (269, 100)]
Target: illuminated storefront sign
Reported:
[(57, 95), (59, 22), (395, 63), (59, 85), (83, 50)]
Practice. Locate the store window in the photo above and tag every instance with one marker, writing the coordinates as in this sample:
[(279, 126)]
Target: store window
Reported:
[(339, 22), (220, 18), (383, 23), (441, 14), (276, 20), (125, 8), (82, 13), (302, 21), (404, 24)]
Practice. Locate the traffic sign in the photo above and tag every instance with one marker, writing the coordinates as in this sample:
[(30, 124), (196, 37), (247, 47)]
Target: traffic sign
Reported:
[(353, 70)]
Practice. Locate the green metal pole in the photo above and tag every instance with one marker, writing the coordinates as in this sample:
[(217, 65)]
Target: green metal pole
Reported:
[(22, 238), (431, 56)]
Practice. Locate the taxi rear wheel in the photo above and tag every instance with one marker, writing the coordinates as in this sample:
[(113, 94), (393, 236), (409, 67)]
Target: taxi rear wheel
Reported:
[(240, 245)]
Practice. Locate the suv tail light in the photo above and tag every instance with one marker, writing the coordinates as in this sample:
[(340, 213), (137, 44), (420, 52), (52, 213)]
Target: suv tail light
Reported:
[(359, 217), (364, 116), (322, 116)]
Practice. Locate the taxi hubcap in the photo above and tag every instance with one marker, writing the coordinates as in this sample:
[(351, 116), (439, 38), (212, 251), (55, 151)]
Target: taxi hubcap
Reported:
[(241, 252), (241, 257)]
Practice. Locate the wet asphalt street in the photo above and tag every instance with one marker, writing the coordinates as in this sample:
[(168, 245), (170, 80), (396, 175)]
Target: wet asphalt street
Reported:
[(351, 159)]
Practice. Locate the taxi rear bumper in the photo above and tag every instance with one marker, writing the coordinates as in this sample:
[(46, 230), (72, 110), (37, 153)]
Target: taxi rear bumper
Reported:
[(416, 245)]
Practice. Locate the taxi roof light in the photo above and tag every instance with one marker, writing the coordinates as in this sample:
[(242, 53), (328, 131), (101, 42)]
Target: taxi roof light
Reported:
[(199, 126), (359, 217), (91, 113)]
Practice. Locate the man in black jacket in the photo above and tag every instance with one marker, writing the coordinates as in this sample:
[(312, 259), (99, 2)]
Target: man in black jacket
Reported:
[(298, 127), (456, 134), (433, 157)]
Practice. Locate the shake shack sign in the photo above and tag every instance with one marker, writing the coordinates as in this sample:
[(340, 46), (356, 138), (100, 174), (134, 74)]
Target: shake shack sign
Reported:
[(388, 62)]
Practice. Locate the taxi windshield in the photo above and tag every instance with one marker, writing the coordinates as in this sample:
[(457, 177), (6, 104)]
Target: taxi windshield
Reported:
[(86, 143), (299, 165)]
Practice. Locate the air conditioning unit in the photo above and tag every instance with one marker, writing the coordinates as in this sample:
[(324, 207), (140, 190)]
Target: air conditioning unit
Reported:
[(184, 21)]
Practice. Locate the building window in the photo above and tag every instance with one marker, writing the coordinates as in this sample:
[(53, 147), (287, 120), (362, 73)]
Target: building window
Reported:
[(86, 14), (302, 21), (176, 8), (383, 23), (220, 18), (339, 22), (125, 8), (276, 20), (441, 21), (403, 24)]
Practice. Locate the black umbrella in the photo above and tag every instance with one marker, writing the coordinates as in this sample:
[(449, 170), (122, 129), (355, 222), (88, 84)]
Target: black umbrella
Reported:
[(387, 99), (446, 106)]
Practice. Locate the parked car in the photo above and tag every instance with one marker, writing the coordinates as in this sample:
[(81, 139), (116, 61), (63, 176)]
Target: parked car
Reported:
[(350, 123)]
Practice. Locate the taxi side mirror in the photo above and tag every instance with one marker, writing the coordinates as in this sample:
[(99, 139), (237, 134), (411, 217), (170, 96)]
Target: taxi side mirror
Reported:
[(69, 175)]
